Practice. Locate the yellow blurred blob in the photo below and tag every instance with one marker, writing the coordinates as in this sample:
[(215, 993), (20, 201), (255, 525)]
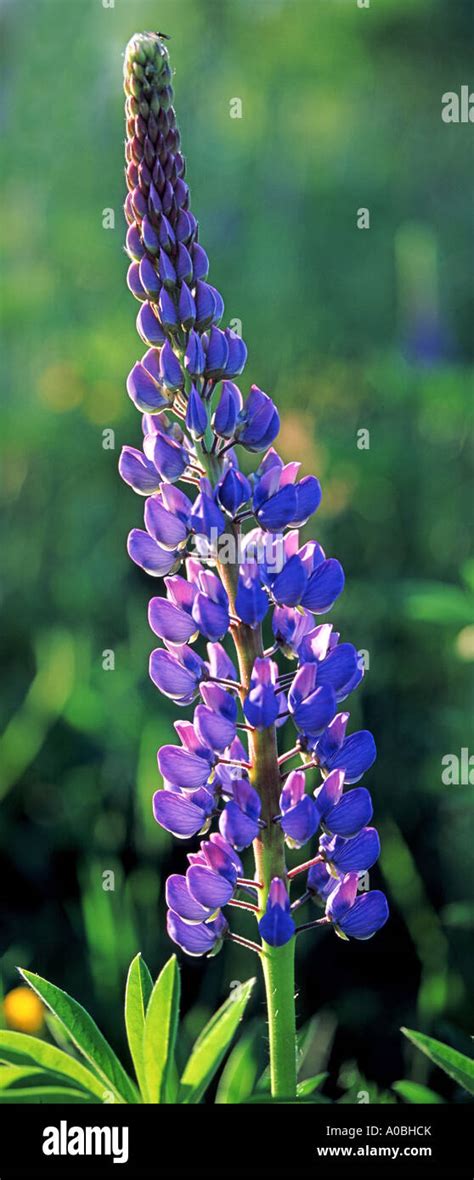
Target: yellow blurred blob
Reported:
[(23, 1010), (296, 440), (60, 387), (465, 643)]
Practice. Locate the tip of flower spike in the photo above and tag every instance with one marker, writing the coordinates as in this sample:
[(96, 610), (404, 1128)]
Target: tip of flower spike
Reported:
[(146, 56)]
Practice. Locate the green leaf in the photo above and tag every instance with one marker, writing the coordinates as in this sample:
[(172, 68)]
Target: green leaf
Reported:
[(213, 1043), (457, 1065), (85, 1035), (47, 1094), (240, 1073), (10, 1074), (413, 1092), (161, 1027), (310, 1084), (20, 1049), (137, 994), (267, 1098)]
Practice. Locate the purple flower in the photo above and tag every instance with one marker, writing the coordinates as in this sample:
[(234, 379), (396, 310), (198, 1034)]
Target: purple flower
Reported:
[(149, 327), (167, 517), (138, 471), (356, 917), (354, 855), (183, 814), (196, 415), (169, 457), (261, 704), (218, 855), (217, 352), (320, 882), (312, 706), (215, 721), (299, 815), (258, 422), (354, 755), (238, 823), (233, 490), (177, 674), (290, 626), (278, 500), (186, 768), (152, 558), (194, 358), (206, 516), (251, 601), (342, 815), (340, 668), (236, 354), (211, 606), (144, 386), (170, 368), (228, 409), (180, 899), (203, 938), (277, 926)]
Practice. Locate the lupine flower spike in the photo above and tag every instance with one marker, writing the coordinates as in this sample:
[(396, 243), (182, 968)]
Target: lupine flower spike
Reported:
[(234, 567)]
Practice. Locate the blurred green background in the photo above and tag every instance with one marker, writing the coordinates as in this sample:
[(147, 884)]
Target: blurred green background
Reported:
[(348, 329)]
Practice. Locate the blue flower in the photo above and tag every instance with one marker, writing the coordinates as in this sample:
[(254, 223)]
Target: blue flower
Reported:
[(299, 816), (261, 704), (258, 422), (356, 917), (196, 414), (353, 855), (201, 938), (354, 754), (233, 490), (251, 601), (144, 385), (228, 409), (182, 813), (239, 820), (177, 674), (312, 706), (277, 926)]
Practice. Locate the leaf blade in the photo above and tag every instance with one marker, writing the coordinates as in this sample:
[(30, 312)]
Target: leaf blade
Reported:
[(46, 1094), (309, 1085), (85, 1035), (138, 990), (160, 1031), (451, 1061), (414, 1092), (212, 1044), (20, 1049)]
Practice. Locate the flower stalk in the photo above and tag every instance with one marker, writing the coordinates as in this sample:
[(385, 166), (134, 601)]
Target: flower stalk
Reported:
[(222, 582)]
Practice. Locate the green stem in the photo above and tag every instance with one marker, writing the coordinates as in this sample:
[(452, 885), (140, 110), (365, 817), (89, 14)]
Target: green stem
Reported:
[(269, 850), (279, 975)]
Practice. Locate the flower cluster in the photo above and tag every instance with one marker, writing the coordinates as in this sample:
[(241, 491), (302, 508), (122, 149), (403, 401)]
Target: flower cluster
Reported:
[(195, 423)]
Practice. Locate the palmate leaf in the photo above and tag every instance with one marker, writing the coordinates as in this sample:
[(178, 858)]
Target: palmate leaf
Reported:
[(87, 1038), (137, 995), (212, 1045), (457, 1065), (161, 1027), (22, 1050)]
